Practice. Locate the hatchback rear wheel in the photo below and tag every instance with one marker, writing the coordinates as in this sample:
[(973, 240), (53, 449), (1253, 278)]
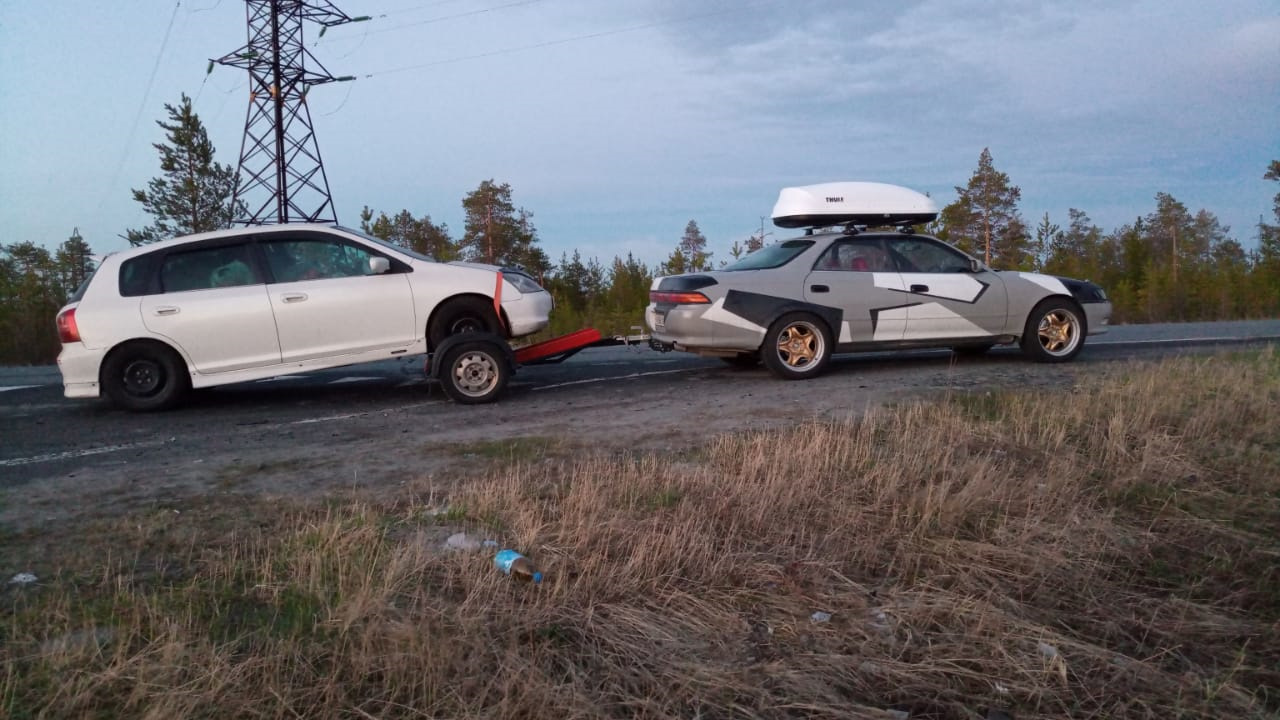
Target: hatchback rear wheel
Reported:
[(144, 376)]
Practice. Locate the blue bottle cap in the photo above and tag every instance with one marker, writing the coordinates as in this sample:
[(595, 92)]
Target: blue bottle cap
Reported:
[(537, 578)]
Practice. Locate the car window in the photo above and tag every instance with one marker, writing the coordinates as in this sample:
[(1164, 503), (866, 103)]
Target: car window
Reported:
[(206, 268), (772, 256), (389, 245), (856, 256), (315, 258), (137, 275), (921, 255)]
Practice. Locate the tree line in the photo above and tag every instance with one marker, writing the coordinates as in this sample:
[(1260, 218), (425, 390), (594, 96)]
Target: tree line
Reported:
[(1168, 265)]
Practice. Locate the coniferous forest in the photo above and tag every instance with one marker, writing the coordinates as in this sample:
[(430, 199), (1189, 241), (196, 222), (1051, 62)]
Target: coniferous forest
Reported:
[(1171, 264)]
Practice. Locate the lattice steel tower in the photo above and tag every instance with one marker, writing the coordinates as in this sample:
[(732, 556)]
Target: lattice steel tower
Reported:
[(281, 175)]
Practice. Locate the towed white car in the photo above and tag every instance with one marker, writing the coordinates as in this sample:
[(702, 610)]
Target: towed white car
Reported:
[(256, 302)]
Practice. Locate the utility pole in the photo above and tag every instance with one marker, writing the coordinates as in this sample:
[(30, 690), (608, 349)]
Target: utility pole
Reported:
[(281, 176)]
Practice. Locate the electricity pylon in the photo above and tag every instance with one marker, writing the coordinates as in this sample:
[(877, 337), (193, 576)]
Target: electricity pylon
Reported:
[(281, 176)]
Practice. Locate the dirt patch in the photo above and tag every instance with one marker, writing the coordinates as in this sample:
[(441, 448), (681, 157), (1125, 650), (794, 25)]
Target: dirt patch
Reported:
[(428, 445)]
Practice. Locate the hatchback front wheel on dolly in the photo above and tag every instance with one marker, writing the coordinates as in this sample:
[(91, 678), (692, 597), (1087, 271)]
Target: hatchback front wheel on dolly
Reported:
[(474, 371)]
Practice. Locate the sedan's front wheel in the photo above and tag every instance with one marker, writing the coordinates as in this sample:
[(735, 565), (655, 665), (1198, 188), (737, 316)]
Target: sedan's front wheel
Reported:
[(797, 346), (1054, 331)]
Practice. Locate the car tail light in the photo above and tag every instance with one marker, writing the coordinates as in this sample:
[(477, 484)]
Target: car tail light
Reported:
[(68, 331), (678, 298)]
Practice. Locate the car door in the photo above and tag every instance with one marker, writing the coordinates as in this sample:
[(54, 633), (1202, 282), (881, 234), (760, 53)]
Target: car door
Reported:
[(327, 299), (213, 305), (856, 275), (950, 300)]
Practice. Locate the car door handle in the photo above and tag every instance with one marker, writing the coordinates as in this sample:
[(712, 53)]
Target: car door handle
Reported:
[(920, 288), (819, 288), (166, 310), (293, 297)]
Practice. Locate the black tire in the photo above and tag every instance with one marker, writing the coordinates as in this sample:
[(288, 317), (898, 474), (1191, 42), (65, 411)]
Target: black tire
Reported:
[(972, 350), (1055, 331), (797, 346), (474, 372), (145, 376), (742, 361), (468, 314)]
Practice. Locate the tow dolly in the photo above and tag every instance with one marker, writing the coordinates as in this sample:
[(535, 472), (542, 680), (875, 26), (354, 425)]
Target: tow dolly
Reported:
[(474, 367)]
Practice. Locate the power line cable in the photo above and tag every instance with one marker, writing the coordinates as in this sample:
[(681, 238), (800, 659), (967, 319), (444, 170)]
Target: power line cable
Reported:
[(345, 98), (142, 106), (442, 18), (570, 39)]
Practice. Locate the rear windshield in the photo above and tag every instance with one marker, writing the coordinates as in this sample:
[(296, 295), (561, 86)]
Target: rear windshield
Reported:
[(79, 293), (772, 256)]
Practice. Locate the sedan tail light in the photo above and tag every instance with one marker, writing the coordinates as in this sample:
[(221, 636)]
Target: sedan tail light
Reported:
[(68, 331), (678, 298)]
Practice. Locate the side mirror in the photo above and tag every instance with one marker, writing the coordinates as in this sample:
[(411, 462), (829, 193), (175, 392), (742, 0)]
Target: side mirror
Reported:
[(974, 265), (379, 265)]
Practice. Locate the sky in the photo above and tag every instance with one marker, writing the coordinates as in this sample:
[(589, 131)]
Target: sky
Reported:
[(616, 122)]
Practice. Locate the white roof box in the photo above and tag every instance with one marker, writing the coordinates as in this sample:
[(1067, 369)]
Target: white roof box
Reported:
[(852, 203)]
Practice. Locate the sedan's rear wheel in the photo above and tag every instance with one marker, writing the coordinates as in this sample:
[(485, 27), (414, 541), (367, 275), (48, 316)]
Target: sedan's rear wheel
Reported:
[(1054, 332), (798, 345)]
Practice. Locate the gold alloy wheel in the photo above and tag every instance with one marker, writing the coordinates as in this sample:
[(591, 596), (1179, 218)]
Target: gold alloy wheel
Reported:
[(799, 345), (1059, 332)]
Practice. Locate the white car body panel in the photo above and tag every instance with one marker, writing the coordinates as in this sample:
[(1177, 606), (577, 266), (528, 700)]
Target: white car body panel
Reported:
[(315, 318), (219, 330)]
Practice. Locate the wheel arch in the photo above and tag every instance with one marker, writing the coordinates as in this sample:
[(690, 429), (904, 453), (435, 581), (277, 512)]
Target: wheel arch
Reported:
[(1068, 299), (124, 345), (462, 297), (829, 316)]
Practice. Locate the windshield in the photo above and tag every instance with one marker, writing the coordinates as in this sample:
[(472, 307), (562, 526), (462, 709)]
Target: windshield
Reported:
[(772, 256), (398, 248)]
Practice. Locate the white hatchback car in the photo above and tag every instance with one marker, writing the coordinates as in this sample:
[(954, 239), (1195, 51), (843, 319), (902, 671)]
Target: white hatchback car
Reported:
[(260, 301)]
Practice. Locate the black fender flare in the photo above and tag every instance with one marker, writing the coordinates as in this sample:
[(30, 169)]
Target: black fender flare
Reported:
[(433, 368)]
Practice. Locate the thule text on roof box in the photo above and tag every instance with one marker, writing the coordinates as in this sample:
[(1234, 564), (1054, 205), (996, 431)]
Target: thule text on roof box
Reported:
[(852, 203)]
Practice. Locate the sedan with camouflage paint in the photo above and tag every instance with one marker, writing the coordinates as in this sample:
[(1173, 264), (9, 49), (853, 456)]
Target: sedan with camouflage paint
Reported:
[(795, 303)]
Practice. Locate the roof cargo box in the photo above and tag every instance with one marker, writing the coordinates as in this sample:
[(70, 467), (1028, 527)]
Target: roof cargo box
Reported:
[(852, 203)]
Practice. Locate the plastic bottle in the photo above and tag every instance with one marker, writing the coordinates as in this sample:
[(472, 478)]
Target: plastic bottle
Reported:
[(516, 565)]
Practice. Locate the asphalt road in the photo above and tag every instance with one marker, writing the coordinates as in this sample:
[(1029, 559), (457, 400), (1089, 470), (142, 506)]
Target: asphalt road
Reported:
[(43, 434)]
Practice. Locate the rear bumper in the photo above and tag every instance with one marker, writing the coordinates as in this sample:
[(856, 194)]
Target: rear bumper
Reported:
[(80, 369)]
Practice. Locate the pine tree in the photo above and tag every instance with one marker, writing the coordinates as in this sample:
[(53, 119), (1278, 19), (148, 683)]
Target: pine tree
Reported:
[(500, 234), (194, 193), (1047, 232), (420, 235), (1266, 271), (984, 219), (73, 263), (30, 303), (691, 254)]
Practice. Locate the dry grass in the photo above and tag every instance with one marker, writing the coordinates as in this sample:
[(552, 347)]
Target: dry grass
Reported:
[(1107, 552)]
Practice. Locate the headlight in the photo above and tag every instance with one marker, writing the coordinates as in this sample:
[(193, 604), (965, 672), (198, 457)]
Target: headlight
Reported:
[(521, 282)]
